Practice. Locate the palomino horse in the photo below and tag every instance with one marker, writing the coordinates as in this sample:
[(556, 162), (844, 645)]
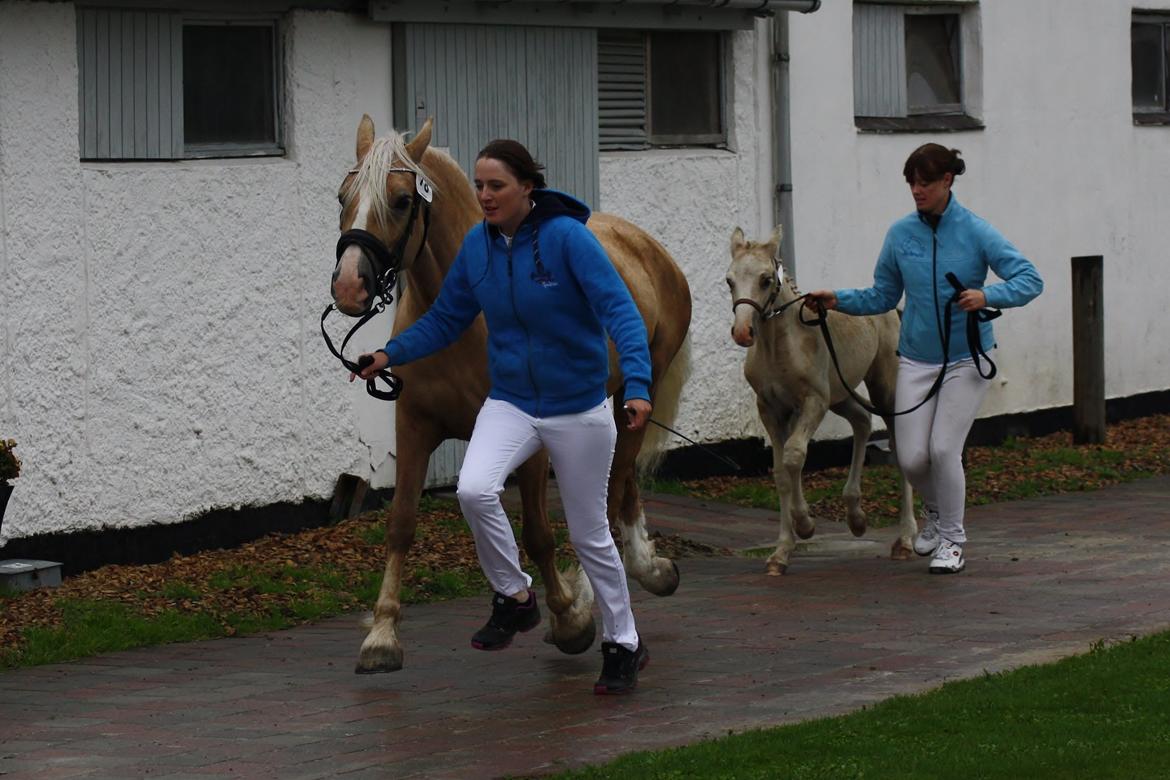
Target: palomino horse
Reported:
[(790, 369), (443, 393)]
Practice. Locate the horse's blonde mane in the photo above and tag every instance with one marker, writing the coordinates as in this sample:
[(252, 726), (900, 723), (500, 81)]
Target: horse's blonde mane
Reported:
[(385, 153)]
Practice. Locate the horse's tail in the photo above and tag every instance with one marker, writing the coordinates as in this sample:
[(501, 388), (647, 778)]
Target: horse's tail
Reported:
[(666, 401)]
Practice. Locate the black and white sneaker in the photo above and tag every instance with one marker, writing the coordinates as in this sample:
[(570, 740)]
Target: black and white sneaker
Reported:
[(620, 667), (508, 617), (948, 558)]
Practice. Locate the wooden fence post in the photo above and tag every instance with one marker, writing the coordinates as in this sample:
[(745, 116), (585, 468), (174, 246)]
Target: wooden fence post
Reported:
[(1088, 350)]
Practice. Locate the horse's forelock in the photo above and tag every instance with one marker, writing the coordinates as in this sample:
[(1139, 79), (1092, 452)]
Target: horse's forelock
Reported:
[(386, 153), (764, 250)]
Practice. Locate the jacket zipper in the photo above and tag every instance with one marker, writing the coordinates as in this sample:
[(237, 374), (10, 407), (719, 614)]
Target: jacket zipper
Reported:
[(523, 325)]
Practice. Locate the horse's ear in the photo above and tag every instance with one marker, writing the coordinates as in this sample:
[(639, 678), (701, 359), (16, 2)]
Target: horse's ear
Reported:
[(774, 241), (365, 136), (738, 242), (422, 139)]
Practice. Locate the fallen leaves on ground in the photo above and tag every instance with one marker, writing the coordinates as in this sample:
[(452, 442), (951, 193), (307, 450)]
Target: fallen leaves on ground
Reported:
[(271, 574), (267, 575), (1016, 469)]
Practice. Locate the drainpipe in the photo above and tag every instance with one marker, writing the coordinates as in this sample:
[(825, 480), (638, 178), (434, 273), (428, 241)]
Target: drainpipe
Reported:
[(782, 141)]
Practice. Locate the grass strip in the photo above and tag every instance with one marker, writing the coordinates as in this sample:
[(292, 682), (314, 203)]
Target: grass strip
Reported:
[(1104, 714)]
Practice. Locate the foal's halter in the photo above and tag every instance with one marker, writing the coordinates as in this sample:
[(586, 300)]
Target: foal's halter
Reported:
[(765, 309), (387, 264)]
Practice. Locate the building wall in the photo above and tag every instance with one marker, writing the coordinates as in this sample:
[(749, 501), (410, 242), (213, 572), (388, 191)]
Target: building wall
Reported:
[(1060, 169), (691, 200), (161, 354), (159, 322)]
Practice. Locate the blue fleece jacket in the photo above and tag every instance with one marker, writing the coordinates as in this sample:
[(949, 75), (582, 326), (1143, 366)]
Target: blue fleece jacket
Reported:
[(549, 298), (915, 259)]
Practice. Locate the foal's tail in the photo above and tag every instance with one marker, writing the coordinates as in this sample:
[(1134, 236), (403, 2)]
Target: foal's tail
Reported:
[(667, 395)]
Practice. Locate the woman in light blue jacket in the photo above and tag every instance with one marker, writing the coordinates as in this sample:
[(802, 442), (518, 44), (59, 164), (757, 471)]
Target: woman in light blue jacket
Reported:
[(941, 239)]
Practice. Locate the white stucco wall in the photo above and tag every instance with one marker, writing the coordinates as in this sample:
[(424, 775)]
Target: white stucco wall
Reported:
[(159, 345), (1060, 169), (161, 353)]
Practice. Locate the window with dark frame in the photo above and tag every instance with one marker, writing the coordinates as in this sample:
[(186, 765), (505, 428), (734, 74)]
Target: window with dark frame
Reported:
[(1150, 58), (933, 64), (166, 85), (659, 89), (229, 86), (908, 66)]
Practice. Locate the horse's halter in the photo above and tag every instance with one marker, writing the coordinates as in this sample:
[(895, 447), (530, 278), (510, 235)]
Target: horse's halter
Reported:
[(387, 264), (765, 309)]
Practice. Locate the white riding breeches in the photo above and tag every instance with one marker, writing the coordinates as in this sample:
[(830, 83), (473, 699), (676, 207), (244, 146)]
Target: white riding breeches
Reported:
[(930, 439), (581, 448)]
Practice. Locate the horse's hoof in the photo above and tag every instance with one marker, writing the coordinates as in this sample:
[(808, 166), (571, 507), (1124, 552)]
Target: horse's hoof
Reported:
[(856, 523), (900, 551), (672, 582), (575, 645), (379, 660), (391, 666), (661, 580), (777, 569)]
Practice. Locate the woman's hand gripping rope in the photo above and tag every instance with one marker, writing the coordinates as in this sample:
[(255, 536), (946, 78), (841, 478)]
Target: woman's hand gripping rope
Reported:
[(370, 364)]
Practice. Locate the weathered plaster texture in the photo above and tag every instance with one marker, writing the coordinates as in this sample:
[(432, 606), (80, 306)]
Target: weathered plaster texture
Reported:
[(691, 200), (161, 346)]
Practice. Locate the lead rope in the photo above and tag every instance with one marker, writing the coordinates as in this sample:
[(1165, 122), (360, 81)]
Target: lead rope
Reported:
[(686, 438), (974, 344)]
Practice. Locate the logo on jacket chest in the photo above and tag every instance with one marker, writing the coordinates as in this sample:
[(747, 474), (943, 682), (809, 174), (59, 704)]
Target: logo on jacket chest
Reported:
[(543, 277), (913, 249)]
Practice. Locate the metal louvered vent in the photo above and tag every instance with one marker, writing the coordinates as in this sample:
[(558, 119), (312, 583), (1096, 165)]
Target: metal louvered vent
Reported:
[(621, 90)]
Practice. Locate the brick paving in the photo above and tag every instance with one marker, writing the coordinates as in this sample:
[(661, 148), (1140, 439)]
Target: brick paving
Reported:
[(731, 650)]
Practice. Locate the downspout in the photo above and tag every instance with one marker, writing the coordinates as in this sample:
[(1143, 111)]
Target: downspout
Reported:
[(782, 142)]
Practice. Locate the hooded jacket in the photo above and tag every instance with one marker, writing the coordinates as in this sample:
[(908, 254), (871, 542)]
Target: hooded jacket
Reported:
[(915, 259), (549, 298)]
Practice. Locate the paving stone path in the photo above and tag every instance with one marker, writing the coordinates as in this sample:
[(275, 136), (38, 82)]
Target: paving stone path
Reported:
[(731, 650)]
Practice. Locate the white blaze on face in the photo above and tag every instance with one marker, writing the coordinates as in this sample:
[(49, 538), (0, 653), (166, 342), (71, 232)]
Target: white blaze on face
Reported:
[(349, 291), (745, 274)]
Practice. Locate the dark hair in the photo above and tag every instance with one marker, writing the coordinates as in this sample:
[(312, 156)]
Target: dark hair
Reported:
[(517, 159), (930, 161)]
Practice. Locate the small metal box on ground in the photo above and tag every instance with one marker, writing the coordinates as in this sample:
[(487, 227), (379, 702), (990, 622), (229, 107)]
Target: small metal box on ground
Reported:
[(24, 574)]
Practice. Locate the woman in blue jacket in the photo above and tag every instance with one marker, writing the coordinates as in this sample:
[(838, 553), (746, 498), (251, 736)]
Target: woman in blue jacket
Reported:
[(920, 249), (549, 293)]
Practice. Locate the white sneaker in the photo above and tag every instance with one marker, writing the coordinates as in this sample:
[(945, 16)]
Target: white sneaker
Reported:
[(926, 541), (948, 558)]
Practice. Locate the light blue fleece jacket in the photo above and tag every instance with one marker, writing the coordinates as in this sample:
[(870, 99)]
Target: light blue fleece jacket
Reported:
[(547, 319), (916, 258)]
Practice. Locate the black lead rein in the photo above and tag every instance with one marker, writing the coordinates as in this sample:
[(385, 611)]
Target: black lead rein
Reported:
[(386, 279), (392, 380), (974, 344)]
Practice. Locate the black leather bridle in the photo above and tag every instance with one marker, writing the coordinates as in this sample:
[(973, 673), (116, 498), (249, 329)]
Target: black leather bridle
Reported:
[(387, 265)]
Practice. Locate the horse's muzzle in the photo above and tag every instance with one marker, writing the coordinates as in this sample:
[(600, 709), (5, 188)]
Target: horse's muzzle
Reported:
[(352, 286)]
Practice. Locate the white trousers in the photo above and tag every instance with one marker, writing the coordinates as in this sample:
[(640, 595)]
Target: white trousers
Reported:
[(581, 448), (930, 439)]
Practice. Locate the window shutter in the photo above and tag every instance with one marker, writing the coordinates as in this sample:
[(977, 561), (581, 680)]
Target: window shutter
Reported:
[(621, 90), (131, 86), (879, 61)]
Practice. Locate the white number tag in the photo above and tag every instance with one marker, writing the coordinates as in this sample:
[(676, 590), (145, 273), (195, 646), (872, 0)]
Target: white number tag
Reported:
[(424, 188)]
